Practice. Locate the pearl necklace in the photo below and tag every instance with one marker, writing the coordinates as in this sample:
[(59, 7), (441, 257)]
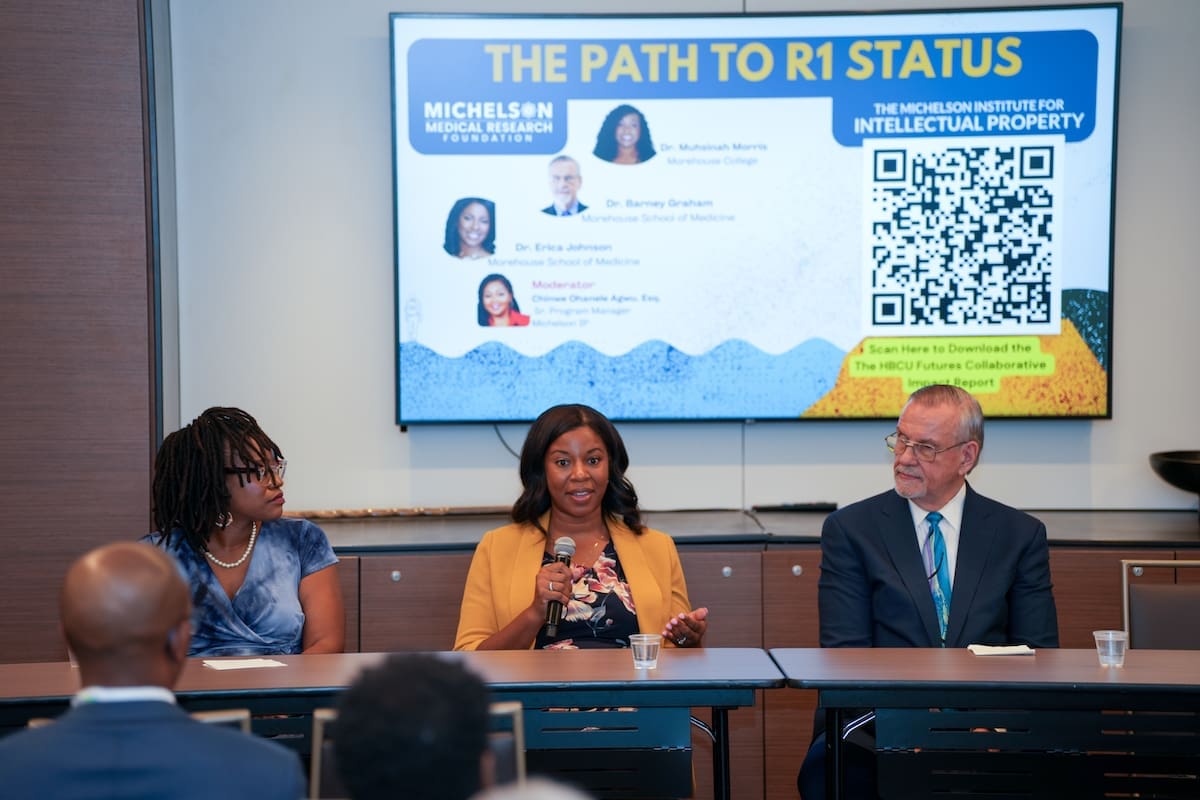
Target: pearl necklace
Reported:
[(245, 555)]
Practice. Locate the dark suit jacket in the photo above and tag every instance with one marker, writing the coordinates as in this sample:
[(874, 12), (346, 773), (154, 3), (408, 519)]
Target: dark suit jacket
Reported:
[(144, 749), (550, 209), (873, 591)]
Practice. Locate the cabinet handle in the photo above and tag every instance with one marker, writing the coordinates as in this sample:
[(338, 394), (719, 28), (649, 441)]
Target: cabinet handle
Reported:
[(726, 572), (1137, 571), (797, 570), (395, 576)]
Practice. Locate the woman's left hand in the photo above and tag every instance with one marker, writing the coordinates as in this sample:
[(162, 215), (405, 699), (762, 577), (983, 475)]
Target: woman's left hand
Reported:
[(686, 630)]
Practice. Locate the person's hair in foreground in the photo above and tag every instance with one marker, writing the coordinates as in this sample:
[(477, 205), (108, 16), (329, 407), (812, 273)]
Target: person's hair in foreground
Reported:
[(620, 499), (413, 727), (189, 491)]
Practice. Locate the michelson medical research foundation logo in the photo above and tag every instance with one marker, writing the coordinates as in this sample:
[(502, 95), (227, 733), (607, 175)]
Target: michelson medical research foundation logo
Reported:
[(487, 126)]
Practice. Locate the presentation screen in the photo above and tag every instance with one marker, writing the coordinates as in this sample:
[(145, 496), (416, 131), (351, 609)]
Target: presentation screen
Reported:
[(753, 217)]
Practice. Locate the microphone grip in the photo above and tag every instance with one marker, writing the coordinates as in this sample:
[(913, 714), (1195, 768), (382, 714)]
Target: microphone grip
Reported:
[(553, 616), (554, 609)]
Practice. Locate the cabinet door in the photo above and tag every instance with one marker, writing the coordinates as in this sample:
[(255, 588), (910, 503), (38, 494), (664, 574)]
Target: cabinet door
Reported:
[(729, 584), (789, 620), (411, 602), (1087, 589)]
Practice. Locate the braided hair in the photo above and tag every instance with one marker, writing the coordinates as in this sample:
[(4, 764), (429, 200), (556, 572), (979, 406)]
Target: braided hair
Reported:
[(189, 492)]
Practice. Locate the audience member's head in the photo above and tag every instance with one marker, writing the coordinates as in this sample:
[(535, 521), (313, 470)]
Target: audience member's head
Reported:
[(534, 789), (414, 727), (125, 615)]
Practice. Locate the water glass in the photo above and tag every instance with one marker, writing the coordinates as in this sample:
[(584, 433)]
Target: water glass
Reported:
[(645, 647), (1110, 647)]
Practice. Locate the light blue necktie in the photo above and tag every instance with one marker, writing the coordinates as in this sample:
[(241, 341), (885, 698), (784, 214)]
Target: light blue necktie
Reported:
[(938, 571)]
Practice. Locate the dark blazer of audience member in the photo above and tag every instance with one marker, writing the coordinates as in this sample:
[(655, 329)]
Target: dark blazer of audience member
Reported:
[(471, 228), (565, 181), (624, 137), (414, 727), (497, 303)]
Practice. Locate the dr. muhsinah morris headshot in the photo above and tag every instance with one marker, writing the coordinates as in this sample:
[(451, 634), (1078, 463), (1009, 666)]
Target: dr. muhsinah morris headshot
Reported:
[(624, 137)]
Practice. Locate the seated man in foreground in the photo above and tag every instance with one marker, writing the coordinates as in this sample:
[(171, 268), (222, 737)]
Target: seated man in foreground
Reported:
[(126, 617), (931, 563)]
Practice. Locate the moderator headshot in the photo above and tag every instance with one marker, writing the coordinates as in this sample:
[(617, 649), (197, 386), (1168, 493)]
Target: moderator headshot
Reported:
[(471, 228), (497, 304), (624, 137), (565, 181)]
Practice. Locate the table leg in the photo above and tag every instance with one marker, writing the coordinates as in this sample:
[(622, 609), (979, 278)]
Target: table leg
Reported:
[(833, 753), (720, 724)]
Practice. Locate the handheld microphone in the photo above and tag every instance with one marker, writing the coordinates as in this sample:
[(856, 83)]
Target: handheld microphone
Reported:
[(564, 548)]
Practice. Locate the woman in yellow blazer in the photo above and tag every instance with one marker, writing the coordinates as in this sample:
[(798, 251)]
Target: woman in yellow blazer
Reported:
[(623, 578)]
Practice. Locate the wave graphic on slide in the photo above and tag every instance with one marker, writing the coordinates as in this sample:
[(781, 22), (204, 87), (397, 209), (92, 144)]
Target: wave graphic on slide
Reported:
[(654, 381)]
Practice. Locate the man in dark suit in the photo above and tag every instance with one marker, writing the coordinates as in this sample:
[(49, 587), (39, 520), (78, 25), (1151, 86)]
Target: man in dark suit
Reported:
[(125, 614), (565, 181), (931, 563)]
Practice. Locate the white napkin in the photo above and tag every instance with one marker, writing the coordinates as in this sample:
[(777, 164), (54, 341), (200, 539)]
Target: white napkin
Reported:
[(1001, 650), (244, 663)]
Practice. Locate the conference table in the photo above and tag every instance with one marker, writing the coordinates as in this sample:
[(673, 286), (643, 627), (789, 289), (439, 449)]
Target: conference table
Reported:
[(567, 695), (1051, 724)]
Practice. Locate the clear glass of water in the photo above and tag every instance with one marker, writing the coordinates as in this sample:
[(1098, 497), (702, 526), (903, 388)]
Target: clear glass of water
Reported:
[(1110, 648), (645, 647)]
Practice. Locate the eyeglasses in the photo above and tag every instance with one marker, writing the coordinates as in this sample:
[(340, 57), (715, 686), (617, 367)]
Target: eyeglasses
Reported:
[(260, 471), (925, 452)]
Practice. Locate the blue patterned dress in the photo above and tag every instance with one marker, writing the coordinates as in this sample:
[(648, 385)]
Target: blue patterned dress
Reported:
[(264, 617)]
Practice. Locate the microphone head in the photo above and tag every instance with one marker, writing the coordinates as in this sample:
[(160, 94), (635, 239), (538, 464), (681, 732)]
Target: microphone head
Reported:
[(564, 546)]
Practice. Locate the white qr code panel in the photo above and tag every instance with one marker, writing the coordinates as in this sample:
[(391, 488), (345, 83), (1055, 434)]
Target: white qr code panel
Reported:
[(962, 236)]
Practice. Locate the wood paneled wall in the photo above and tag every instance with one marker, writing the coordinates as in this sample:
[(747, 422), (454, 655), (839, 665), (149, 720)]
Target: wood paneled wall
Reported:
[(76, 361)]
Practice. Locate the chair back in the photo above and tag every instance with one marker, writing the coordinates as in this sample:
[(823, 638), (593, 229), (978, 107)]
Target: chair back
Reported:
[(1161, 616), (506, 742), (323, 780), (234, 717)]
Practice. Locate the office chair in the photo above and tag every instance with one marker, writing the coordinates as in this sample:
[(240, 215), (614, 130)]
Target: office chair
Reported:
[(1161, 616)]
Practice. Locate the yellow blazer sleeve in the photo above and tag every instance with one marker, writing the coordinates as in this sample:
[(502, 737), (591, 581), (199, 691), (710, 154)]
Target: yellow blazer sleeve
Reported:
[(499, 583), (655, 576)]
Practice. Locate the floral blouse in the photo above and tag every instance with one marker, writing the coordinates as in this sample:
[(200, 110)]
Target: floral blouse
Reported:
[(601, 611)]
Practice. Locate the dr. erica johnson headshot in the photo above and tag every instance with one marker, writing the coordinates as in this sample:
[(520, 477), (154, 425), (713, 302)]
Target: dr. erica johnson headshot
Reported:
[(497, 304), (624, 137), (471, 228)]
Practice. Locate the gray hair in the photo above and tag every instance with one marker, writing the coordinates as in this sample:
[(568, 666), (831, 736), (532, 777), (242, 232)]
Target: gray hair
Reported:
[(970, 415)]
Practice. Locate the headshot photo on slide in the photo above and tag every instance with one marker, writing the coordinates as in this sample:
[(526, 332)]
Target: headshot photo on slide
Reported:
[(497, 304), (471, 228), (624, 137)]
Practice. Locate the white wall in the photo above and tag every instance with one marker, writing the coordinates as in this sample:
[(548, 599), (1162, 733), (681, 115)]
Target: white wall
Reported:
[(284, 201)]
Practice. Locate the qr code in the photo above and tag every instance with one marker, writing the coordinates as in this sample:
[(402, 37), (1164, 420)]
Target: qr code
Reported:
[(962, 236)]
